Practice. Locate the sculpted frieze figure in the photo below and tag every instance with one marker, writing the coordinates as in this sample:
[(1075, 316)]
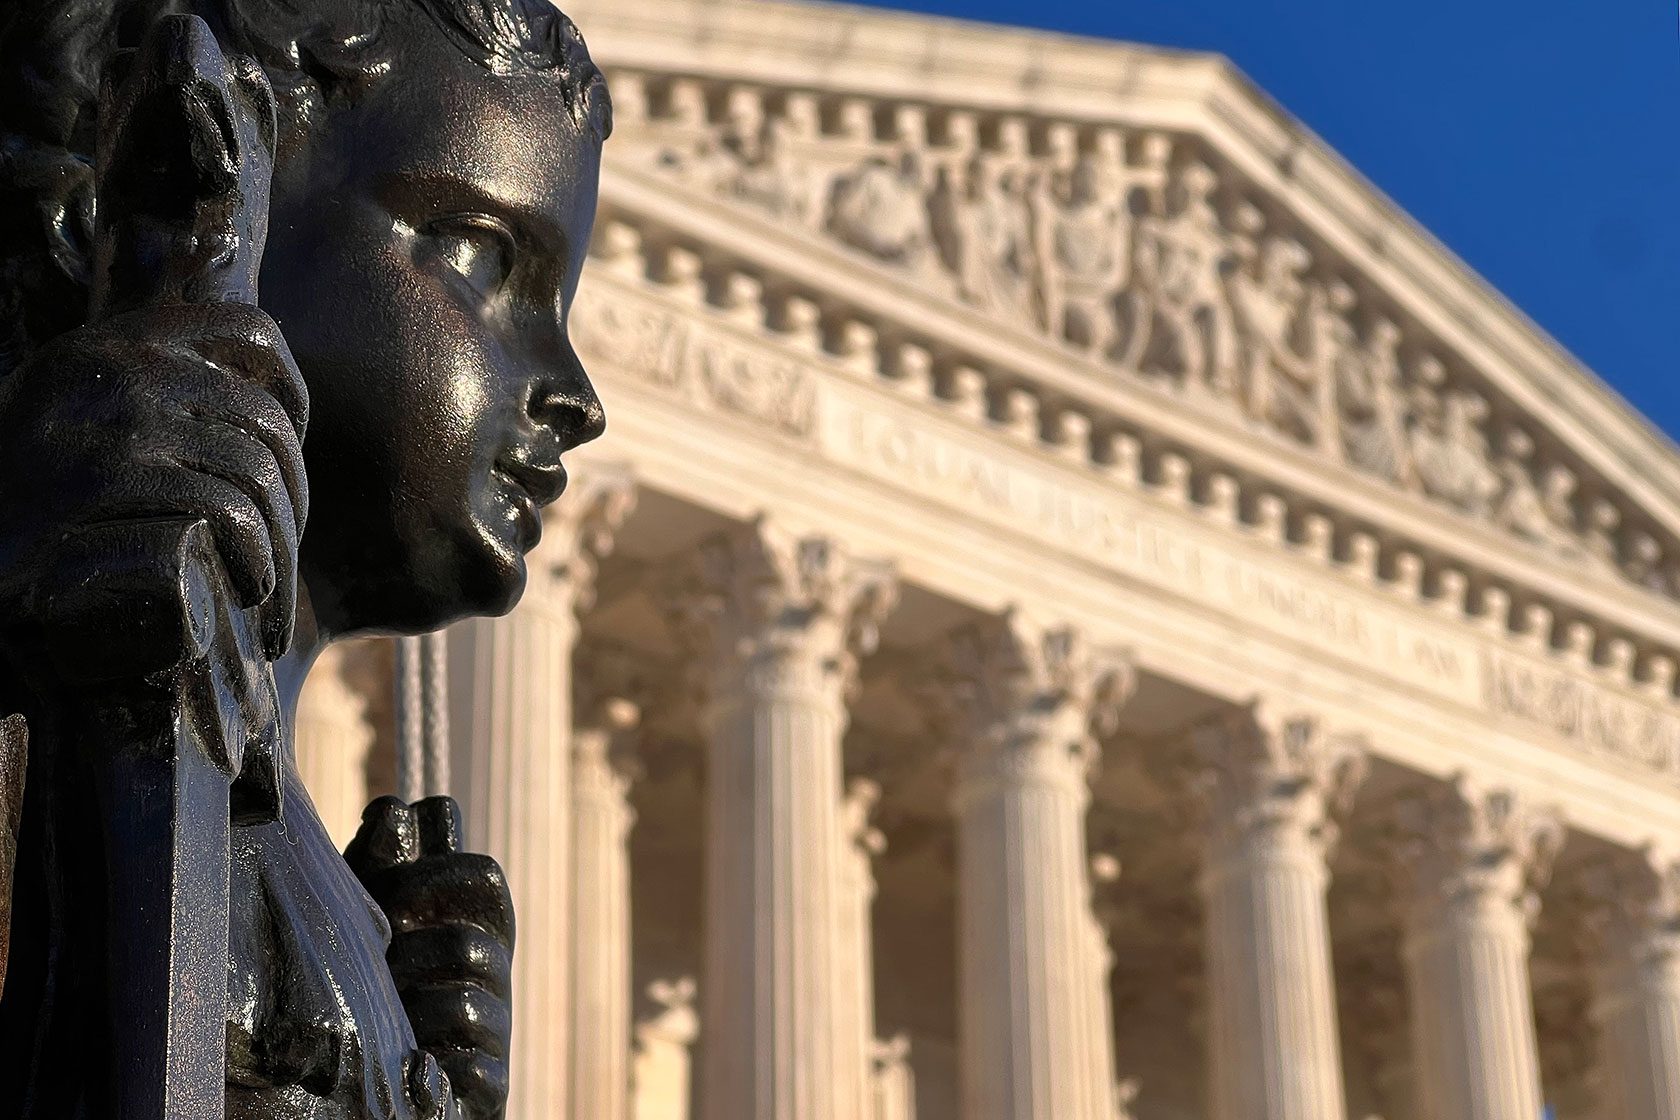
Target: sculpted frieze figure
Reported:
[(1535, 504), (1281, 386), (1373, 407), (1601, 535), (1645, 563), (750, 159), (1179, 319), (1448, 448), (1163, 268), (1085, 247), (227, 222), (881, 207), (984, 232)]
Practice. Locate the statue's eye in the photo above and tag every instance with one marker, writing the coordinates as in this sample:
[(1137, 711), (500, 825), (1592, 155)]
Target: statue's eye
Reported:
[(478, 247)]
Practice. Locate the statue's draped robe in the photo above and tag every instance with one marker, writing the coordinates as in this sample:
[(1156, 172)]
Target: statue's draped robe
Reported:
[(316, 1027)]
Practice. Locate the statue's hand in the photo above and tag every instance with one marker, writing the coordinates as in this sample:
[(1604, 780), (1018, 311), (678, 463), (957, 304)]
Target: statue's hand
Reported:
[(178, 411), (451, 951)]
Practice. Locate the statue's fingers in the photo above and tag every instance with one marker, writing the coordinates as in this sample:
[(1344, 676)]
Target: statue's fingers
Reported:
[(442, 954), (230, 453), (465, 888), (246, 341), (259, 415), (478, 1078), (455, 1016), (165, 486), (387, 838), (439, 819)]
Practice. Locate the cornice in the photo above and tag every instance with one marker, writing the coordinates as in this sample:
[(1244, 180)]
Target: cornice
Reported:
[(870, 51)]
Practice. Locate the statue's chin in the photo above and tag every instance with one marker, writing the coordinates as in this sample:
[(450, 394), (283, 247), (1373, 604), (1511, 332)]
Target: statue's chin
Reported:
[(487, 581)]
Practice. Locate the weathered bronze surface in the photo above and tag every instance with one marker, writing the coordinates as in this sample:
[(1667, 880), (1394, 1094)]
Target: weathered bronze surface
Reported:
[(226, 226)]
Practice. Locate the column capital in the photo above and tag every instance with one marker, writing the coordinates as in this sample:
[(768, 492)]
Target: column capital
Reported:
[(1028, 700), (578, 533), (1632, 904), (763, 586), (608, 697), (1266, 775), (1465, 843)]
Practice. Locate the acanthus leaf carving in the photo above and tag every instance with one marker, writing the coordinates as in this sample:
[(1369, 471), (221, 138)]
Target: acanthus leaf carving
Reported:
[(762, 589), (1632, 904), (1468, 844), (1270, 776), (1028, 701)]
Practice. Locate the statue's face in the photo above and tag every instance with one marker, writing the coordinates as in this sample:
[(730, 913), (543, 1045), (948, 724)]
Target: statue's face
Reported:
[(423, 253)]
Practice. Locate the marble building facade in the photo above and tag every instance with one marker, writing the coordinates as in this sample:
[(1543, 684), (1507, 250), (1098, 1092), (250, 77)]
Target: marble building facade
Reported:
[(1083, 611)]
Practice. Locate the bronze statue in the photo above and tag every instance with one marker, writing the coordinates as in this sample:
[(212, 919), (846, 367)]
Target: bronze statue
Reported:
[(185, 941)]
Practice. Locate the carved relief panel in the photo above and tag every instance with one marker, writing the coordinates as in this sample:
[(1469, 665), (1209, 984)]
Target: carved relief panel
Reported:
[(1140, 251)]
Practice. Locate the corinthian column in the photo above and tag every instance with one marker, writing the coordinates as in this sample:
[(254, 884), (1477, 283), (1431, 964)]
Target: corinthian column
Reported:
[(600, 906), (1268, 785), (331, 740), (1474, 859), (1634, 932), (1028, 699), (511, 699), (779, 619)]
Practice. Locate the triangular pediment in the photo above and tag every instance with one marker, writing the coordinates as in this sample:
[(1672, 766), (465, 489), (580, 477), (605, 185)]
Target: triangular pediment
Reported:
[(1144, 223)]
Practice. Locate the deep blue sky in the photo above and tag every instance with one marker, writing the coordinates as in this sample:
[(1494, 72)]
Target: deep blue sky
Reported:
[(1538, 139)]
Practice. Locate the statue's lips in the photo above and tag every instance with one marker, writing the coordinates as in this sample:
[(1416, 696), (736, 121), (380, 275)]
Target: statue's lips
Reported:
[(543, 482)]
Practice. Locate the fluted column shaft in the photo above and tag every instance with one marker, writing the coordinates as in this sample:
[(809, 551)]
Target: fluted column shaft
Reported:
[(331, 738), (1474, 860), (600, 917), (774, 1008), (511, 710), (1027, 1038), (777, 1037), (1031, 1047), (1274, 1045), (1636, 942)]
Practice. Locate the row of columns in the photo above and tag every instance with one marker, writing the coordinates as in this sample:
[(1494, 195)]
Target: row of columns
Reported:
[(776, 622)]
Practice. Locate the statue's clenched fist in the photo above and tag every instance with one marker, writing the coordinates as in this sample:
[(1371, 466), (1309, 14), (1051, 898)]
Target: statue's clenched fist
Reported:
[(179, 411), (451, 948)]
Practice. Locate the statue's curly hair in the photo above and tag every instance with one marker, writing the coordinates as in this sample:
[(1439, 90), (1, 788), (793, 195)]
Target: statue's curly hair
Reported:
[(316, 53)]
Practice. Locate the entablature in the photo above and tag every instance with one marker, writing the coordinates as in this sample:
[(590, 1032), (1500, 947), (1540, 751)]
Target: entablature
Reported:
[(779, 422)]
